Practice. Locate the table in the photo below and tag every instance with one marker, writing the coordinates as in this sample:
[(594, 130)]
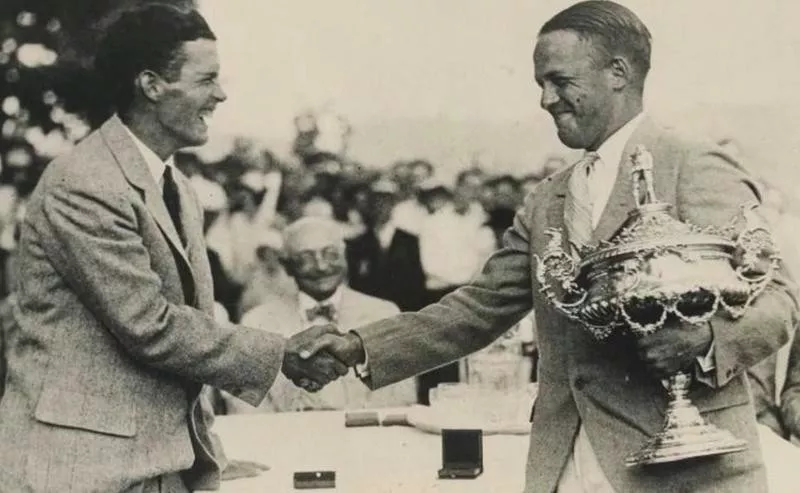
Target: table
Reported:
[(401, 459), (366, 459)]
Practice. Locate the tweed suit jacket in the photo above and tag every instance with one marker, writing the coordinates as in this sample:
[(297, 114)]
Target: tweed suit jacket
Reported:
[(116, 336), (282, 313), (604, 386)]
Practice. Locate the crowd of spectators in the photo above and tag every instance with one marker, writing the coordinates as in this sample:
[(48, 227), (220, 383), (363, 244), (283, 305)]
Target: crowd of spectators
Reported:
[(411, 237)]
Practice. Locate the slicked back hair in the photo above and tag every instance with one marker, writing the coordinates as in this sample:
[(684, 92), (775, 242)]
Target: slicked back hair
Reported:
[(612, 28)]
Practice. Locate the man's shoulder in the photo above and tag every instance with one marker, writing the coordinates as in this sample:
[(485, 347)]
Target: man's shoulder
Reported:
[(84, 166), (668, 136)]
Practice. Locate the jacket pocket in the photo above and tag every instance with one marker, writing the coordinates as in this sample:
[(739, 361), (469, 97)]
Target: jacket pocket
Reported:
[(86, 412), (708, 399)]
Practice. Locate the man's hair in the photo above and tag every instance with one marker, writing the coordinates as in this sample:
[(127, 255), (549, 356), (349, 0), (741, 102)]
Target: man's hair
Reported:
[(297, 228), (146, 38), (612, 28)]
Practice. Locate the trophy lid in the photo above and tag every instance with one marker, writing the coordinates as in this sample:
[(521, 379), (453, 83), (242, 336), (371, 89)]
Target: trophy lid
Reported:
[(651, 226)]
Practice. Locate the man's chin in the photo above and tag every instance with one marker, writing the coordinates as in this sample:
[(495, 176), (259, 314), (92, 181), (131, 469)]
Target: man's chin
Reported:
[(570, 140)]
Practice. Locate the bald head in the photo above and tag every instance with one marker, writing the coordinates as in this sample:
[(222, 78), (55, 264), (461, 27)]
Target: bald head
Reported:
[(314, 255)]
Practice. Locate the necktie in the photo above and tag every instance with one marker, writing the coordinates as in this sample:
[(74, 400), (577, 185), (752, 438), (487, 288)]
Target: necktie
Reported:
[(578, 204), (323, 310), (172, 201)]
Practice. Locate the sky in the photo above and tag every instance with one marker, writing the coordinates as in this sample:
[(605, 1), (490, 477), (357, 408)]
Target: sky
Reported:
[(466, 64)]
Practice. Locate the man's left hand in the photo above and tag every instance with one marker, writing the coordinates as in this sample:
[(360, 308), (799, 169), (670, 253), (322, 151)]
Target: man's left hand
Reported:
[(675, 347)]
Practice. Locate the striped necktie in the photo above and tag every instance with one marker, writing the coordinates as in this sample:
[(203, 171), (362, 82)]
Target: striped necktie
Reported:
[(578, 204)]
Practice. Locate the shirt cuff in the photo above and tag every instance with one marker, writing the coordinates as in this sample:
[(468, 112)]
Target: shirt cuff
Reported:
[(362, 369)]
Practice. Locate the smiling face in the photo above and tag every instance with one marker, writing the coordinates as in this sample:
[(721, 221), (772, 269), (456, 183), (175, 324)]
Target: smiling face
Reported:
[(315, 257), (577, 88), (189, 100)]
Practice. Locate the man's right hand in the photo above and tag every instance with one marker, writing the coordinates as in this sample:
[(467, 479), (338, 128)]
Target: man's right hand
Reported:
[(311, 373), (347, 348)]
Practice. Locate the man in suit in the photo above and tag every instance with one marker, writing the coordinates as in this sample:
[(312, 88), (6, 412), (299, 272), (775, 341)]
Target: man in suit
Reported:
[(598, 402), (116, 337), (384, 261), (314, 256)]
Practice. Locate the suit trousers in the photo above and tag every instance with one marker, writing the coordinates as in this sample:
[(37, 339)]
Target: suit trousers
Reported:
[(166, 483)]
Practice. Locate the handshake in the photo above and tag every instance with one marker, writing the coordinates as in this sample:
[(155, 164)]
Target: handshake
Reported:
[(319, 355)]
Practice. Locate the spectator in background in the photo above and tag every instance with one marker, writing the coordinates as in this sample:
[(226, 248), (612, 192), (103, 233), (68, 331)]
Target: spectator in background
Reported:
[(269, 276), (412, 210), (504, 197), (384, 261), (314, 255), (454, 243), (253, 198), (466, 199), (214, 202)]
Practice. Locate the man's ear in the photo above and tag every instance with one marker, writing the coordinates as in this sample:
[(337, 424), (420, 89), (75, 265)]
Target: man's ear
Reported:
[(621, 73), (150, 84)]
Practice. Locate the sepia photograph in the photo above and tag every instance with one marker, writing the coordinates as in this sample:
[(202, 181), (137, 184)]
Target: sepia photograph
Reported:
[(521, 246)]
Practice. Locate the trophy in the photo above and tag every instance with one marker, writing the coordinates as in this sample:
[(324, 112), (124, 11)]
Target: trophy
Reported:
[(658, 268)]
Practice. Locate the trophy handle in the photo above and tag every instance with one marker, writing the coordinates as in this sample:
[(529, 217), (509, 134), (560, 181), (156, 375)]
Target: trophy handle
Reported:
[(755, 242), (560, 266), (641, 329)]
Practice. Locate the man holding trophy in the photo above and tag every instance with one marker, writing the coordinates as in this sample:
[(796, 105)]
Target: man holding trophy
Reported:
[(602, 392)]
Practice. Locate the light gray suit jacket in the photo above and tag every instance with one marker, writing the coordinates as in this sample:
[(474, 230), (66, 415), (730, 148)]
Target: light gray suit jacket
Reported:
[(116, 336), (281, 313), (604, 386)]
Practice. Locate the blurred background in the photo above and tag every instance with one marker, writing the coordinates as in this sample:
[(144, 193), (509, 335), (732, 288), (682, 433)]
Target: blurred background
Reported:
[(416, 113)]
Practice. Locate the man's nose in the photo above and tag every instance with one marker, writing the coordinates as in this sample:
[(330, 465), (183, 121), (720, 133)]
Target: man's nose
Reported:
[(321, 264), (219, 93), (549, 96)]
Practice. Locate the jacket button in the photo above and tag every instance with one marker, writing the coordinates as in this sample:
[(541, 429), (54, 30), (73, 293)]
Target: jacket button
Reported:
[(580, 383)]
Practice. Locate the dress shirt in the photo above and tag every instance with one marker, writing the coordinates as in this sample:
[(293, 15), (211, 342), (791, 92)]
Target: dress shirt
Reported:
[(385, 235), (409, 215), (605, 169), (306, 303), (154, 163), (453, 246)]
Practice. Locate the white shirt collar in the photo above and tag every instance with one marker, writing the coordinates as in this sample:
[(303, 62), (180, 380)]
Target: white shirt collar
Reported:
[(605, 170), (154, 163), (611, 150), (306, 302), (386, 233)]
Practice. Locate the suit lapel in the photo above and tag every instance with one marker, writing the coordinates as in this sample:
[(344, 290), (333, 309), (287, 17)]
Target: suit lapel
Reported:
[(555, 206), (192, 224), (137, 173), (621, 201)]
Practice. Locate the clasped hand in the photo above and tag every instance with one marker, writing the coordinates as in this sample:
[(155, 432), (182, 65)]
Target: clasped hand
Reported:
[(319, 355), (675, 347)]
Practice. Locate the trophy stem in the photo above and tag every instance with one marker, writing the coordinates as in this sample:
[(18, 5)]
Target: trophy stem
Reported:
[(685, 433)]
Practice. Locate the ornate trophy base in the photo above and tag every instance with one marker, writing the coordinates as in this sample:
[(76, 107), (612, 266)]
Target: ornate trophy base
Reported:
[(686, 434)]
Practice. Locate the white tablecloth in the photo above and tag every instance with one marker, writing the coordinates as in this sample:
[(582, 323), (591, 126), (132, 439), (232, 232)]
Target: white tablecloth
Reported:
[(367, 459), (401, 459)]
